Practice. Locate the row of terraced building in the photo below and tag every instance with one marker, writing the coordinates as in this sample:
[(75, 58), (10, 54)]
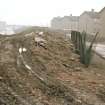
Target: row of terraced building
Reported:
[(89, 21)]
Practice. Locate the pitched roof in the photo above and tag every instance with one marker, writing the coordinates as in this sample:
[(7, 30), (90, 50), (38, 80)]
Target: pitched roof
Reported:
[(102, 10), (92, 14), (71, 18)]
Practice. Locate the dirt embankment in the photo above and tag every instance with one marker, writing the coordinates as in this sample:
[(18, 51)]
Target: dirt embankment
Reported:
[(46, 73)]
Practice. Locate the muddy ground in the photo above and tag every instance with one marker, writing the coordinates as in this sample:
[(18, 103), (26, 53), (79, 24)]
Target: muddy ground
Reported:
[(48, 73)]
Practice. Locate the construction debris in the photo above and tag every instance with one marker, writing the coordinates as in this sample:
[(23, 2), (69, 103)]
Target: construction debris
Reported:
[(39, 41)]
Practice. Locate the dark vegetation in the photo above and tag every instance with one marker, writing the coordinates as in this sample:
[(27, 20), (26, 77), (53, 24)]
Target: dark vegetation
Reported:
[(85, 51)]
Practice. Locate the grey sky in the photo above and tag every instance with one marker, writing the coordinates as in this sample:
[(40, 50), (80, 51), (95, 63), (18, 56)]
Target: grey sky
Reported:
[(40, 12)]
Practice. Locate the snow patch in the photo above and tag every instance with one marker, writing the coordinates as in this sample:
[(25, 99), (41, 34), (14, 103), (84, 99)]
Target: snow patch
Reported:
[(20, 50), (41, 33), (39, 39), (30, 34), (24, 49)]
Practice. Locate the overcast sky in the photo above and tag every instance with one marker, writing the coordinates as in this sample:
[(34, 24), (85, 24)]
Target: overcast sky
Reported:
[(40, 12)]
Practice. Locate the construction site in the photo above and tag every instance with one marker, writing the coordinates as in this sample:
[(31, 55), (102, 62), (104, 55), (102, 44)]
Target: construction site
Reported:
[(39, 66)]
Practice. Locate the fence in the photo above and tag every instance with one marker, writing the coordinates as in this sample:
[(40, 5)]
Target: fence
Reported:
[(80, 42)]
